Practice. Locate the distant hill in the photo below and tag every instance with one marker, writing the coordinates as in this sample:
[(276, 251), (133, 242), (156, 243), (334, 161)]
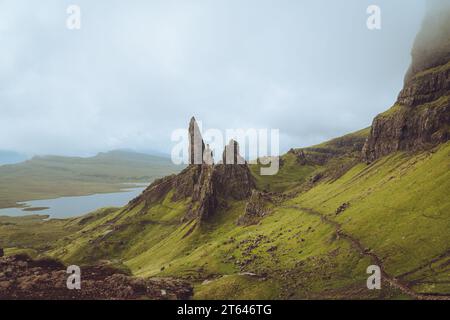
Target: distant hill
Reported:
[(54, 176), (10, 157)]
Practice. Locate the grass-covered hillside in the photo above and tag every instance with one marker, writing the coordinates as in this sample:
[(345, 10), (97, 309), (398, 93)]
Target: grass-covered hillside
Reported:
[(55, 176), (300, 166), (315, 243)]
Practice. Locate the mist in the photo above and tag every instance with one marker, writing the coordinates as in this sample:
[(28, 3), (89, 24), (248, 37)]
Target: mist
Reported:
[(137, 71), (432, 44)]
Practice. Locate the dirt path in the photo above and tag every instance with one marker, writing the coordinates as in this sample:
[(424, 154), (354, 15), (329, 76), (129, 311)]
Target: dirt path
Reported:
[(428, 264), (393, 281)]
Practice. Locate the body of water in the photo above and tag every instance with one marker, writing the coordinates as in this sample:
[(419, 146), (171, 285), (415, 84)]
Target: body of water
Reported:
[(67, 207)]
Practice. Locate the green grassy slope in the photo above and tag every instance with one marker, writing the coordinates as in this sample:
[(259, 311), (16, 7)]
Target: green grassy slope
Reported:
[(330, 158), (399, 209), (398, 215), (33, 234), (289, 176), (292, 252), (54, 176)]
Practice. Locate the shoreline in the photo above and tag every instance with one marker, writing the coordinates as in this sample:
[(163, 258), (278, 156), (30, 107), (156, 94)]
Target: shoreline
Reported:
[(76, 205), (121, 187)]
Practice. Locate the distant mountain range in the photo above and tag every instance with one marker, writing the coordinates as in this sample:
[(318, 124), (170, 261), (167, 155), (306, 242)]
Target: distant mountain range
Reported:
[(43, 177)]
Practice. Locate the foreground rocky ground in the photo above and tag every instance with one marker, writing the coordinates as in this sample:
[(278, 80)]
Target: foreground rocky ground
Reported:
[(24, 278)]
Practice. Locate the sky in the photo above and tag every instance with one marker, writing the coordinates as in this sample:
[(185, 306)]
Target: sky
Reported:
[(138, 70)]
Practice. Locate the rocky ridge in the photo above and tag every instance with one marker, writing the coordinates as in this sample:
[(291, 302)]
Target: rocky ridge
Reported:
[(206, 184), (257, 207)]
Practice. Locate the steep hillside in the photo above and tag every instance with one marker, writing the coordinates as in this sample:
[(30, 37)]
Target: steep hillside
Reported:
[(314, 240), (301, 248), (302, 168), (308, 232), (399, 210), (313, 243)]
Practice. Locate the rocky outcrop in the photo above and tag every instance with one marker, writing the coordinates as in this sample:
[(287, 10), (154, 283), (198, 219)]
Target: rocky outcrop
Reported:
[(426, 87), (342, 208), (208, 186), (234, 181), (420, 118), (204, 197), (232, 176), (230, 179), (349, 145), (409, 130), (231, 154), (255, 209), (24, 278)]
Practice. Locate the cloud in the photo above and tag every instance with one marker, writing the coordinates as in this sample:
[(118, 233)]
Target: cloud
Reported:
[(138, 70)]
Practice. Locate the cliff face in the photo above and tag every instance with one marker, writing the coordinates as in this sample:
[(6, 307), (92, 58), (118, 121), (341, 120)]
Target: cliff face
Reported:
[(432, 44), (421, 116), (207, 185), (420, 119)]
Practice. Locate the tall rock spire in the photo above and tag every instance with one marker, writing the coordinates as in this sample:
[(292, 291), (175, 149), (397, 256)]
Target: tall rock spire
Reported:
[(231, 154), (196, 144), (208, 186)]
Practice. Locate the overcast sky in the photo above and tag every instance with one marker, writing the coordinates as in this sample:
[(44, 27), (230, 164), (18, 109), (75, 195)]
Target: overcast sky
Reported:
[(137, 70)]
